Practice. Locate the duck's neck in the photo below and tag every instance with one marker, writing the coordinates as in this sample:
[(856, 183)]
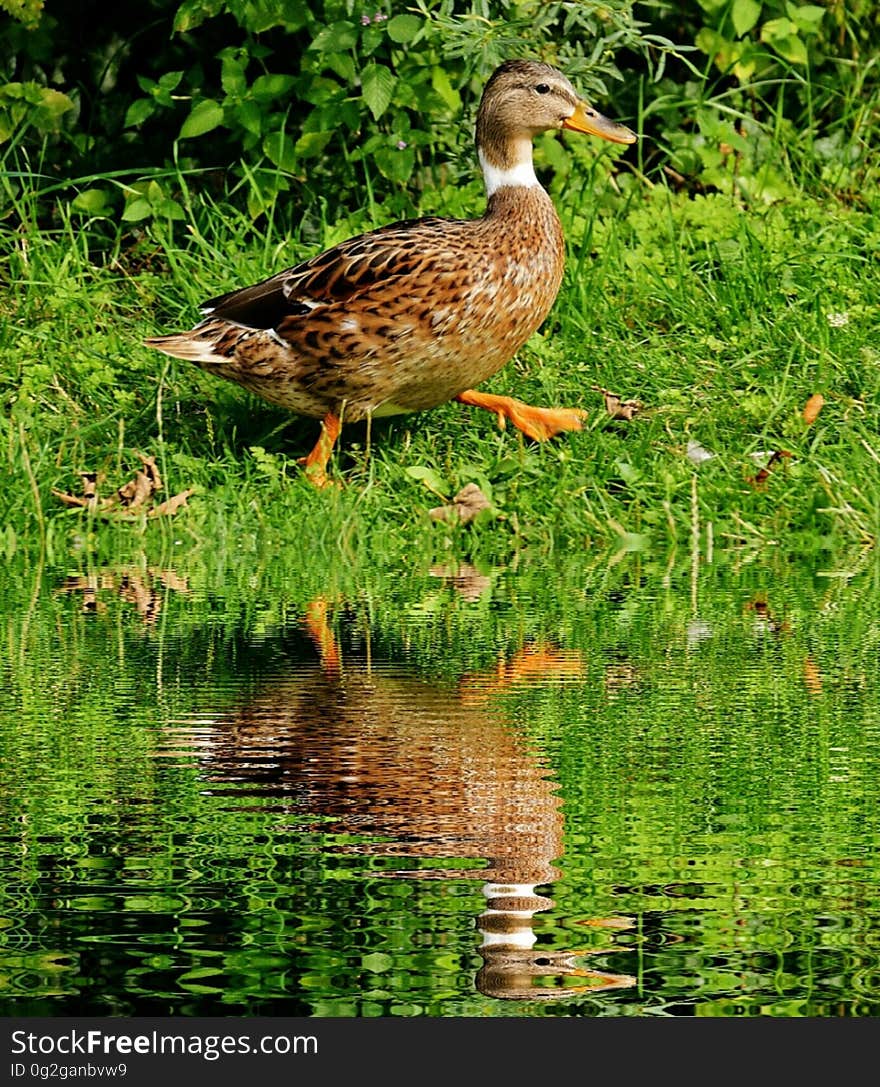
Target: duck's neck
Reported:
[(506, 163)]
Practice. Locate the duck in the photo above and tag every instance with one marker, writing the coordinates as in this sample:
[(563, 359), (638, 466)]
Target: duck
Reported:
[(420, 312)]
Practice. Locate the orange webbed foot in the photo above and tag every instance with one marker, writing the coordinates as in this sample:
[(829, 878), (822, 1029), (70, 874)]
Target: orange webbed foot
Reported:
[(537, 423)]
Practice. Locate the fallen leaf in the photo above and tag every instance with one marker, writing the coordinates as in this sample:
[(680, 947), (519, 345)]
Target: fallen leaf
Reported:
[(812, 408), (616, 407), (133, 497), (136, 491), (151, 471), (537, 663), (464, 507), (760, 479), (90, 484), (72, 499), (171, 505), (697, 454)]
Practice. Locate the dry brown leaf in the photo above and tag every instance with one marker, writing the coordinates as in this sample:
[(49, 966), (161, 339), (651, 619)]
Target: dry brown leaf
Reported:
[(535, 663), (72, 499), (136, 491), (133, 496), (171, 505), (152, 471), (464, 507), (90, 484), (759, 481), (812, 408), (616, 407)]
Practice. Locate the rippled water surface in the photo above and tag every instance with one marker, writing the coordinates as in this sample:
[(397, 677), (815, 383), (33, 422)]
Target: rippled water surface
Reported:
[(474, 797)]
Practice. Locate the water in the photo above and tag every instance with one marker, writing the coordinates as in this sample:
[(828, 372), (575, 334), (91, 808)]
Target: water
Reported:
[(458, 794)]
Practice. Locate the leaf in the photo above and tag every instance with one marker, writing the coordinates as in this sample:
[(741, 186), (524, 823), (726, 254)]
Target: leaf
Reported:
[(271, 86), (403, 28), (618, 408), (136, 491), (171, 505), (777, 28), (377, 88), (432, 480), (440, 83), (137, 209), (139, 111), (193, 13), (745, 14), (812, 676), (205, 116), (395, 163), (154, 193), (812, 408), (628, 472), (52, 107), (169, 81), (279, 147), (377, 961), (94, 202), (311, 144), (336, 38), (759, 481), (634, 542), (249, 116), (781, 34), (806, 17), (697, 454), (791, 49), (232, 77)]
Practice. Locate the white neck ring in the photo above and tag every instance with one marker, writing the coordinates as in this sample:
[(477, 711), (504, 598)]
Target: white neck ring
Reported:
[(495, 177)]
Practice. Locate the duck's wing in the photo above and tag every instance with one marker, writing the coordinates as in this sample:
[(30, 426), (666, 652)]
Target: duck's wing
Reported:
[(339, 274)]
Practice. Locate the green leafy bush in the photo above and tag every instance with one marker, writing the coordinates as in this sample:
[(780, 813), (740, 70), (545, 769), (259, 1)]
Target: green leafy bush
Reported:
[(332, 97), (328, 103)]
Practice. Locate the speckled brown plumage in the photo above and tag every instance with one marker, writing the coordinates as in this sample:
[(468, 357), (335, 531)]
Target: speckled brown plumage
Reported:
[(414, 314)]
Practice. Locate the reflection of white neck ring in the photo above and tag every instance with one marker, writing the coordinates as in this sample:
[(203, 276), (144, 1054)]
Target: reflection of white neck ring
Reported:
[(507, 919)]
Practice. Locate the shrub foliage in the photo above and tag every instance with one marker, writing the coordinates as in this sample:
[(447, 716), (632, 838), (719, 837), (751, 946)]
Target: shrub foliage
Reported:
[(261, 96)]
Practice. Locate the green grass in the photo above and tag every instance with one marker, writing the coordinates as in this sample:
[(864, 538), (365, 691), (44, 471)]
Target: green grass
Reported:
[(722, 318)]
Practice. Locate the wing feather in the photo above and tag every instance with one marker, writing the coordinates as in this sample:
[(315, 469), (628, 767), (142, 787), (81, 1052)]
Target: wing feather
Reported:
[(335, 275)]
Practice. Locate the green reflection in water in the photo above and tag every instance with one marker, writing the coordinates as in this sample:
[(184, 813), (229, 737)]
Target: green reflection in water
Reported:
[(611, 791)]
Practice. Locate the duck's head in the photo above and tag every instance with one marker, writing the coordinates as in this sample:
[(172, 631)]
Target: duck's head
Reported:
[(524, 98)]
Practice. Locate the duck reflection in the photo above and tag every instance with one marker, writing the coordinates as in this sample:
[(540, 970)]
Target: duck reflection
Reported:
[(418, 770)]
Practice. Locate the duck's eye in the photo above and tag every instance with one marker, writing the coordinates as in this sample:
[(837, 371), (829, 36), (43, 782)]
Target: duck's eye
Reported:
[(542, 88)]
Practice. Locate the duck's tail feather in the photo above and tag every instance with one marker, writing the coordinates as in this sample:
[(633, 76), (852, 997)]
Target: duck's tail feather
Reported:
[(184, 345)]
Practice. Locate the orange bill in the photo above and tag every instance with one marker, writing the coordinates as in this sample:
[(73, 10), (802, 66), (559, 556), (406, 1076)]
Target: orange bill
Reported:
[(586, 119)]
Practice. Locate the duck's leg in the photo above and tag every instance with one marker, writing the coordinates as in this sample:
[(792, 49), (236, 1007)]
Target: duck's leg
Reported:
[(315, 463), (537, 423)]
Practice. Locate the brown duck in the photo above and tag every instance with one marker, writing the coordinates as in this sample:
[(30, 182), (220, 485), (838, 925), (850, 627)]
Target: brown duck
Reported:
[(416, 313)]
